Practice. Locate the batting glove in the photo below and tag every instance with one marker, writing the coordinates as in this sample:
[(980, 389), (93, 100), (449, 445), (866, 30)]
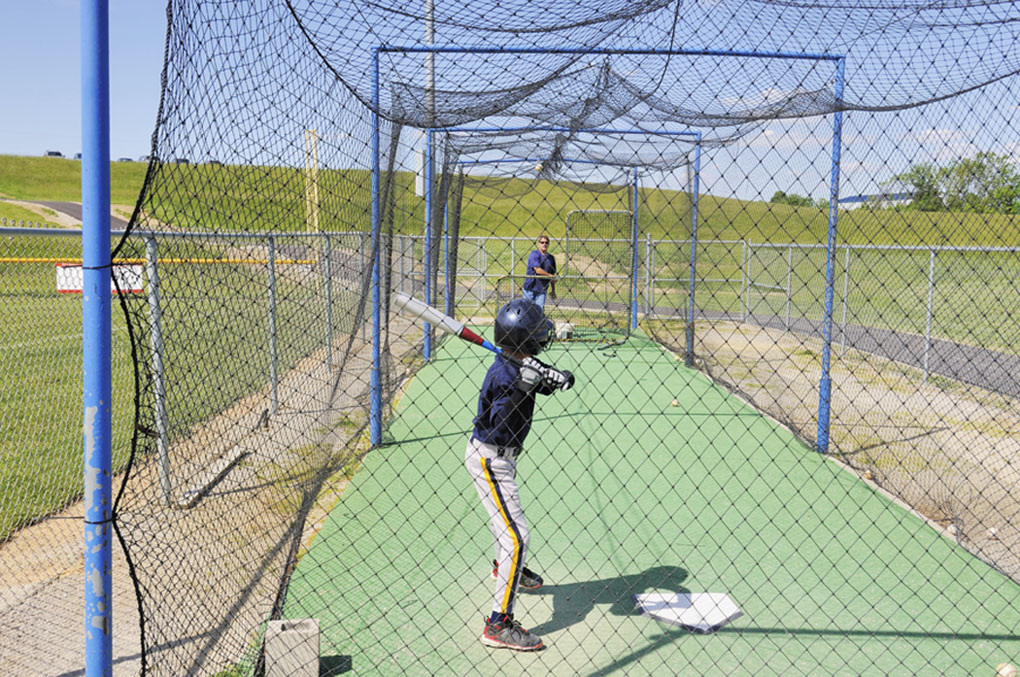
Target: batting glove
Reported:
[(550, 376), (530, 375)]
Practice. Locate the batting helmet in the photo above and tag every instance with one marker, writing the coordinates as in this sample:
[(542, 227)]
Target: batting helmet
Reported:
[(521, 326)]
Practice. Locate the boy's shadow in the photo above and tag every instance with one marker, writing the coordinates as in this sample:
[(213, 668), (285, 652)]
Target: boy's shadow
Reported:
[(572, 602)]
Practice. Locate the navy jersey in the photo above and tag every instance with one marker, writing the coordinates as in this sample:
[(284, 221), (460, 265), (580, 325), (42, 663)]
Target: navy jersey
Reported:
[(504, 410), (546, 262)]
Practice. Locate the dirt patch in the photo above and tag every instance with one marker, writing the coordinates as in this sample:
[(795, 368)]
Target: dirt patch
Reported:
[(947, 450)]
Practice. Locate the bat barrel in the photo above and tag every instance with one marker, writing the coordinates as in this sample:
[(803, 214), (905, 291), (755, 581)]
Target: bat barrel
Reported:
[(416, 308)]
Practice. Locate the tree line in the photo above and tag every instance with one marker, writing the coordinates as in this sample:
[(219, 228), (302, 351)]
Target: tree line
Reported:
[(794, 200), (982, 184)]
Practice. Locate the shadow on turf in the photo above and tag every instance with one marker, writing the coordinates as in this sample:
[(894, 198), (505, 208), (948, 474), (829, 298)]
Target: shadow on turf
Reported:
[(335, 665), (572, 602)]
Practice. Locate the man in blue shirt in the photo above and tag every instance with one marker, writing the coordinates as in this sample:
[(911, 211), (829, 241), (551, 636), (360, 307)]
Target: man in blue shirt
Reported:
[(540, 275), (506, 405)]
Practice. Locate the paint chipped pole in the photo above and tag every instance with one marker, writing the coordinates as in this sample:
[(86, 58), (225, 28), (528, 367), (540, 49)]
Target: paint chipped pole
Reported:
[(95, 241)]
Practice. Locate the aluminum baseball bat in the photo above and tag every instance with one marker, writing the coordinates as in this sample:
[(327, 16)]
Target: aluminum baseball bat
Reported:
[(415, 308)]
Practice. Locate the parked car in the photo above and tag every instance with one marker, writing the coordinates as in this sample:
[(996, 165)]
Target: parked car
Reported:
[(54, 153), (144, 158), (182, 160), (216, 163), (77, 156), (124, 159)]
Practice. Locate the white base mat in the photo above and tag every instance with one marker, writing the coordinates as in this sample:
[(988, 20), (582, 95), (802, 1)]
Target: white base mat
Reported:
[(697, 611)]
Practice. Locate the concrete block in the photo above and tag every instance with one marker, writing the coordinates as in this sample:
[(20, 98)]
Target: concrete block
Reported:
[(292, 648)]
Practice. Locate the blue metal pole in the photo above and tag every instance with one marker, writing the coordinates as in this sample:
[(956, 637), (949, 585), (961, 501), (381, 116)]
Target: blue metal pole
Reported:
[(825, 385), (689, 355), (446, 256), (481, 49), (96, 341), (428, 239), (634, 256), (587, 130), (375, 383)]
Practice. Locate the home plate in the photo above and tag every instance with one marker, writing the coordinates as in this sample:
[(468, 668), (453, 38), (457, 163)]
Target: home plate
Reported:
[(698, 611)]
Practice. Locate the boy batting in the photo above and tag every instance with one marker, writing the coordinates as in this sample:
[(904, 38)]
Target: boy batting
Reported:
[(505, 407)]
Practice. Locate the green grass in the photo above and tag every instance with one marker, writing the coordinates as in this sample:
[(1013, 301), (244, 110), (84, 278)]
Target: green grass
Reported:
[(41, 363), (59, 179), (16, 215), (44, 377), (261, 198)]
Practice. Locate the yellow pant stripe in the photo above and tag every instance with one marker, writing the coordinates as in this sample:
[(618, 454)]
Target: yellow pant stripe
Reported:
[(511, 528)]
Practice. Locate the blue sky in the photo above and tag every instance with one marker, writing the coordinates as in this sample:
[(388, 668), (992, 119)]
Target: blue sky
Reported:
[(41, 75), (41, 109)]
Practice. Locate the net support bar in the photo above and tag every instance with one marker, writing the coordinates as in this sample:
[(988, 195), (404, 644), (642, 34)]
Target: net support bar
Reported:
[(633, 253), (825, 384), (96, 340), (427, 257), (375, 383), (689, 352)]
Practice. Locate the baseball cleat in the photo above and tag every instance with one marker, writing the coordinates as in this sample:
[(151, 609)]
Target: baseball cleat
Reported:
[(529, 579), (506, 633)]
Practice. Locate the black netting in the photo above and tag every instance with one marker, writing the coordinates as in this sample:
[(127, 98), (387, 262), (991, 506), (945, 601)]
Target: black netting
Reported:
[(785, 281)]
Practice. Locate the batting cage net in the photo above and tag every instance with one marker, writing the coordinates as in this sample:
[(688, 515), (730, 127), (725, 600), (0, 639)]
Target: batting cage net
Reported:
[(780, 246)]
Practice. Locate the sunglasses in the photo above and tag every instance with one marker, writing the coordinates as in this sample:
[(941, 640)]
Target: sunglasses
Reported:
[(543, 241)]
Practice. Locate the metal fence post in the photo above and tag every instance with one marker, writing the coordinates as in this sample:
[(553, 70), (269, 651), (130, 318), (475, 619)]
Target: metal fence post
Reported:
[(329, 306), (648, 275), (158, 383), (403, 262), (789, 283), (274, 398), (745, 274), (846, 298), (930, 311), (513, 256)]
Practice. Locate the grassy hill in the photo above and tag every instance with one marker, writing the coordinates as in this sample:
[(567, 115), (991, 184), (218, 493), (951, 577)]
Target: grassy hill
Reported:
[(206, 197), (59, 179)]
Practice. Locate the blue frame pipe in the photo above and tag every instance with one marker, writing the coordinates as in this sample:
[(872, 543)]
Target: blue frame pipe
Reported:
[(479, 49), (586, 130), (428, 239), (825, 384), (448, 295), (375, 383), (633, 254), (689, 353), (96, 341), (696, 136)]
